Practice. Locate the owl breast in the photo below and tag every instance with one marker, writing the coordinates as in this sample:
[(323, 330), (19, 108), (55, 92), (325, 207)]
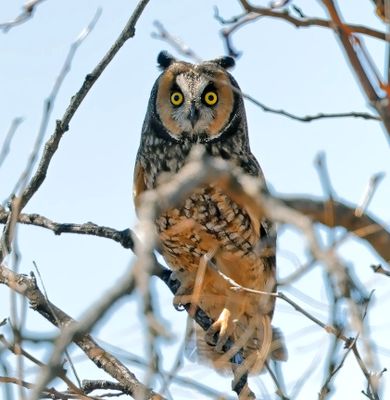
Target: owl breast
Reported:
[(208, 223)]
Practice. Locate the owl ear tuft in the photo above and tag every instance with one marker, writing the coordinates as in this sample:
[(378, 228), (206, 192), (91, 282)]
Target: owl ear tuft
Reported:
[(165, 59), (226, 62)]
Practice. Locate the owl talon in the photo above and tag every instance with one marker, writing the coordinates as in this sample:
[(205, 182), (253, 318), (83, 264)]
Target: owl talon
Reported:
[(186, 283), (181, 301), (219, 332), (179, 307)]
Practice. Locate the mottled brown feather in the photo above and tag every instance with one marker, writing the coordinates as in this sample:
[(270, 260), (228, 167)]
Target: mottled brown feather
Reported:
[(139, 185)]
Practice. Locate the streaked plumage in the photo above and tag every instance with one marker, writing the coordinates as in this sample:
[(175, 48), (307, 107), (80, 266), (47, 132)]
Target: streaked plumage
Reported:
[(202, 104)]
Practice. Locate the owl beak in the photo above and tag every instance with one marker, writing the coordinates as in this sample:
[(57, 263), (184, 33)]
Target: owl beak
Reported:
[(194, 115)]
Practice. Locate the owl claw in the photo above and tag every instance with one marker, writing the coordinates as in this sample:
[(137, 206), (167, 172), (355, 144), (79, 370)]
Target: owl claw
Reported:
[(180, 301), (183, 295), (186, 283), (220, 331), (179, 307)]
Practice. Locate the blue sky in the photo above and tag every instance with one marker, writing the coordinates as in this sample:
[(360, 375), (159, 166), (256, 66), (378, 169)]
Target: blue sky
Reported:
[(303, 71)]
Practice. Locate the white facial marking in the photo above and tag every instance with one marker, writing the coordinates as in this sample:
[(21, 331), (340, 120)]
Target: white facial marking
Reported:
[(192, 87)]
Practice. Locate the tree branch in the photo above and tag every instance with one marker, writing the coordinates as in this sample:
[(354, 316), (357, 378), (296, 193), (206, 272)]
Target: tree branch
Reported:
[(8, 138), (307, 22), (310, 118), (49, 103), (202, 170), (17, 350), (50, 393), (365, 227), (76, 332), (124, 237), (361, 63), (62, 125), (28, 11)]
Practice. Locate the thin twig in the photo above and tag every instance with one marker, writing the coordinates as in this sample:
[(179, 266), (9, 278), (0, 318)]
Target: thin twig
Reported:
[(124, 237), (372, 84), (61, 373), (375, 232), (62, 125), (307, 22), (49, 103), (175, 42), (380, 270), (27, 13), (369, 193), (76, 331), (324, 390), (72, 366), (279, 390), (310, 118), (8, 138), (235, 24), (179, 380), (27, 385), (367, 227)]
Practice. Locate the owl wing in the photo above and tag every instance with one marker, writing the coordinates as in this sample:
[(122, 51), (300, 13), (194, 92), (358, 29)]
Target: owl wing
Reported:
[(139, 184)]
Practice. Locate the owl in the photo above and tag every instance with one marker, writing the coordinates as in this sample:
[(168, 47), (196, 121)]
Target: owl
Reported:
[(210, 235)]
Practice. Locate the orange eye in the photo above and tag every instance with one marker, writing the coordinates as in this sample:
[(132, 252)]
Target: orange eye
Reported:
[(210, 98), (177, 98)]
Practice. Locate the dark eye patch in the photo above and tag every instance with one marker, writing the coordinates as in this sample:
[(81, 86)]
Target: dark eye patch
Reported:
[(175, 88), (209, 88)]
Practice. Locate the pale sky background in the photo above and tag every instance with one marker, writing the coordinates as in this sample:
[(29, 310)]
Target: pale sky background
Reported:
[(90, 178)]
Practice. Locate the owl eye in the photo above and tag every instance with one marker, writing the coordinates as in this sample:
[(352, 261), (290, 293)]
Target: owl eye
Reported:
[(177, 98), (210, 98)]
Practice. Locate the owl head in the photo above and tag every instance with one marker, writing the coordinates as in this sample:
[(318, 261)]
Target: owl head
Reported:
[(200, 102)]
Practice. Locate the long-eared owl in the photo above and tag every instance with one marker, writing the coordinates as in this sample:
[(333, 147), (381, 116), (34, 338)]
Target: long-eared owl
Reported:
[(202, 105)]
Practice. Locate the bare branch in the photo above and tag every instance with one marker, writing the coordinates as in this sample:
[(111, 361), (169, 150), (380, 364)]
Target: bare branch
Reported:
[(324, 390), (376, 91), (204, 170), (61, 373), (46, 392), (28, 11), (279, 391), (76, 332), (307, 22), (62, 125), (179, 380), (235, 24), (49, 103), (69, 359), (369, 193), (123, 237), (366, 227), (310, 118), (175, 42), (8, 138), (380, 270)]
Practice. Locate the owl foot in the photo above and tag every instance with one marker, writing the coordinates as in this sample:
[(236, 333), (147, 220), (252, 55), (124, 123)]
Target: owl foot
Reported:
[(220, 331), (185, 293), (179, 301), (186, 282)]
